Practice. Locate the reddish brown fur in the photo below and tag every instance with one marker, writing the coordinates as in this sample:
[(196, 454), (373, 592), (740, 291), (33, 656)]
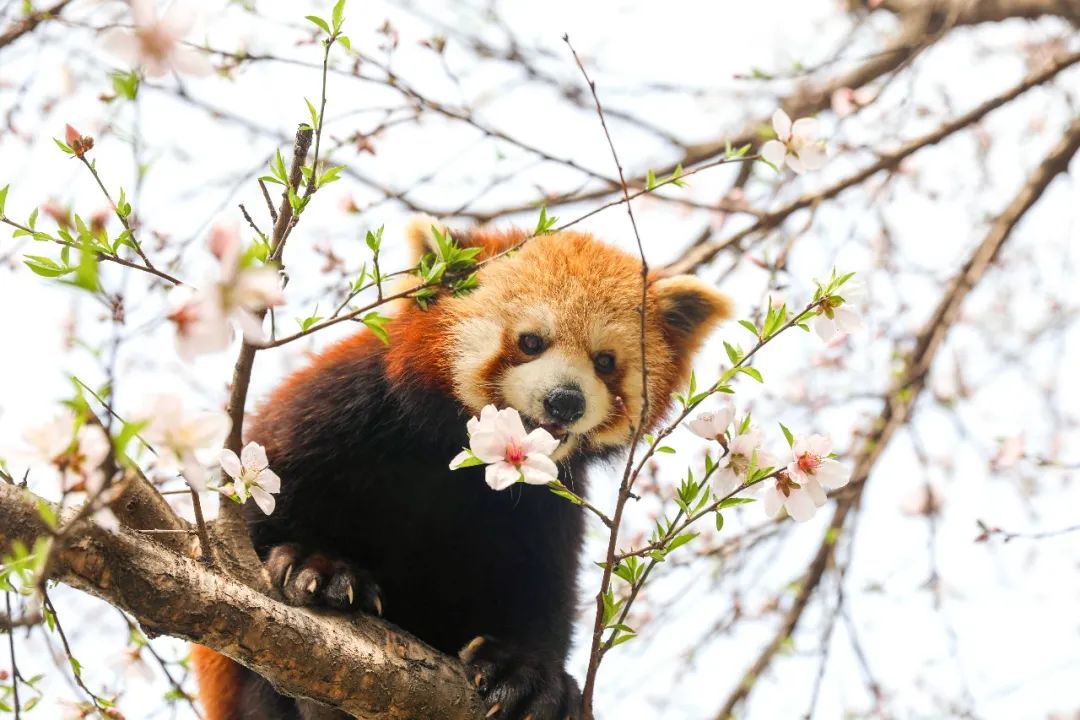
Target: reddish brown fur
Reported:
[(218, 682)]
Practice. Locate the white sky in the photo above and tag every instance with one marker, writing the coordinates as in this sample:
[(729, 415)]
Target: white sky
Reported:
[(1011, 608)]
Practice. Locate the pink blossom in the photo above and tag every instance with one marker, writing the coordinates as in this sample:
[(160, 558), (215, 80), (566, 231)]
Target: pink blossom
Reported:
[(796, 144), (801, 488), (498, 439), (155, 43)]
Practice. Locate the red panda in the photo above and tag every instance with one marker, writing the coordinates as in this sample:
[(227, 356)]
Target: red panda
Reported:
[(371, 519)]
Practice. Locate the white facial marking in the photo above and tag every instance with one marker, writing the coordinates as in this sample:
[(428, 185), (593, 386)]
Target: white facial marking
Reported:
[(477, 341)]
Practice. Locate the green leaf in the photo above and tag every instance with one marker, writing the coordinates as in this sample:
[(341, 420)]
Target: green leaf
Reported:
[(559, 489), (46, 267), (374, 239), (307, 322), (318, 21), (719, 521), (666, 449), (63, 147), (650, 180), (751, 327), (314, 114), (469, 461), (787, 435), (545, 224), (3, 198), (752, 372), (377, 324), (277, 167), (125, 84), (344, 40), (734, 354), (338, 14), (733, 501), (331, 175), (680, 540)]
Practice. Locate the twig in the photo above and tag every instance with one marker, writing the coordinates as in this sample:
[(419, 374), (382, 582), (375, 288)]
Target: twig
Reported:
[(904, 393), (14, 665), (625, 486), (699, 255), (76, 666)]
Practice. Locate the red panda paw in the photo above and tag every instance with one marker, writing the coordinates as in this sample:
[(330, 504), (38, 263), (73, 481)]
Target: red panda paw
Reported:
[(315, 579), (518, 685)]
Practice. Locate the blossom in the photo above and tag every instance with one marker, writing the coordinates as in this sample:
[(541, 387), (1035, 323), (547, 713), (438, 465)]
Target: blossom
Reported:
[(76, 451), (797, 144), (251, 476), (184, 443), (155, 42), (204, 318), (78, 143), (732, 469), (800, 489), (837, 314), (130, 665), (498, 439), (713, 425)]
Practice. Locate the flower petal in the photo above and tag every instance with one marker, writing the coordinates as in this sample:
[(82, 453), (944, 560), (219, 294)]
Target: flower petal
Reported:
[(540, 441), (800, 505), (230, 463), (539, 470), (795, 164), (501, 475), (458, 459), (825, 327), (805, 130), (269, 481), (263, 499), (773, 501), (488, 446), (725, 481), (253, 456), (833, 474), (781, 123), (815, 491), (509, 422), (774, 151)]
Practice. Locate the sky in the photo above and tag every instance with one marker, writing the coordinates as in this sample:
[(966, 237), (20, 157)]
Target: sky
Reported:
[(1002, 641)]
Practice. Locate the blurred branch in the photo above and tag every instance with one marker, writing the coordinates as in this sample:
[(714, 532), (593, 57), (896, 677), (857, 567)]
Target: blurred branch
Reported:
[(360, 664), (698, 255), (904, 393), (29, 23)]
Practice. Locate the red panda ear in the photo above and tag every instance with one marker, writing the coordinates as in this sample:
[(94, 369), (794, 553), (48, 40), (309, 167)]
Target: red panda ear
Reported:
[(421, 237), (689, 309)]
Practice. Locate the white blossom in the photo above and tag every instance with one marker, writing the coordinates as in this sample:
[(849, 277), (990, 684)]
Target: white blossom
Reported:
[(732, 469), (204, 318), (251, 477), (186, 443), (498, 439), (839, 314), (712, 425), (796, 144), (155, 42), (75, 453)]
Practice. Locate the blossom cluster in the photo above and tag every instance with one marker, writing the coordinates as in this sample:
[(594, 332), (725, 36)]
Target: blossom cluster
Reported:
[(797, 486)]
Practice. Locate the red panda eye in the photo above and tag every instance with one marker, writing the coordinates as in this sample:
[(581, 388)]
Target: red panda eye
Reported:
[(604, 362), (531, 343)]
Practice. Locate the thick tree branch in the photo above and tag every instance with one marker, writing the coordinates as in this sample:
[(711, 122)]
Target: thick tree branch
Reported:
[(904, 394), (362, 666)]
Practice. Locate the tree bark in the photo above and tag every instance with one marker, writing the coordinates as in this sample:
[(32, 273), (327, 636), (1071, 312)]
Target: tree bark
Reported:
[(361, 665)]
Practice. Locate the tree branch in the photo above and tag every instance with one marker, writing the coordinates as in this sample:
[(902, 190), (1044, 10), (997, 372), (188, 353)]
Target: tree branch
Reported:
[(904, 394), (361, 665)]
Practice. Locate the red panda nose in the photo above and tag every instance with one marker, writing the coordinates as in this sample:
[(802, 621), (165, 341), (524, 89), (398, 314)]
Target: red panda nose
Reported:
[(565, 404)]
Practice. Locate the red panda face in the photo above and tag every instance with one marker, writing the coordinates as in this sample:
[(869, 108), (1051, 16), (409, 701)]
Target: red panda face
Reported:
[(554, 331)]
